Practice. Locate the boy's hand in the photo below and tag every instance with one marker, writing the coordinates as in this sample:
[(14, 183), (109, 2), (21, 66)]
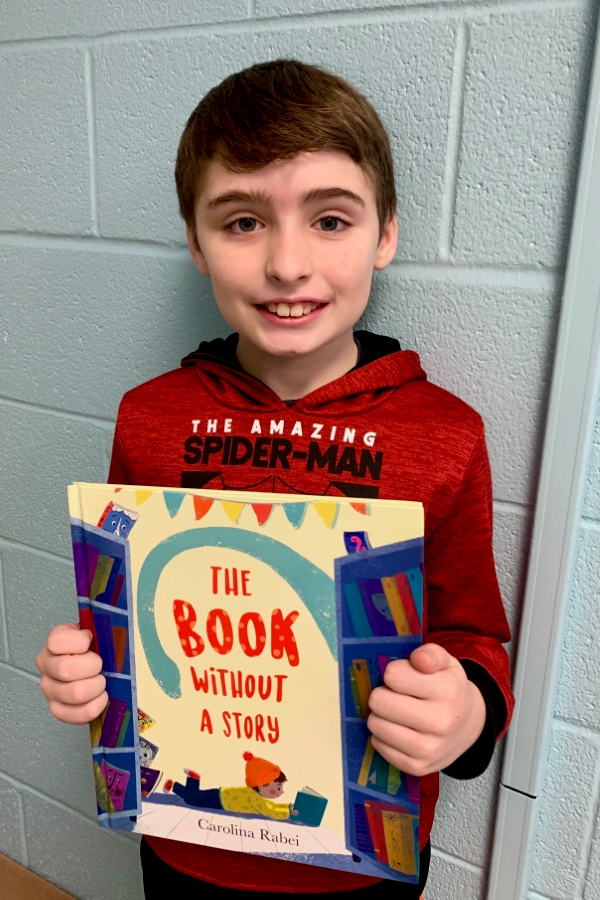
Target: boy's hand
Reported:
[(71, 681), (428, 714)]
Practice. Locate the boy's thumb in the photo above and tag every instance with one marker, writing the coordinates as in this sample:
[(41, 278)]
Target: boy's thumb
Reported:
[(431, 658)]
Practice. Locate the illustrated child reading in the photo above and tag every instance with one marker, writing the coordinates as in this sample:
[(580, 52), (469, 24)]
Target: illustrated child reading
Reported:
[(264, 783), (285, 181)]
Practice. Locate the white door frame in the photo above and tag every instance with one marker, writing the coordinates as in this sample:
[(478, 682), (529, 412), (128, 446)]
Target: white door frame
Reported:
[(564, 466)]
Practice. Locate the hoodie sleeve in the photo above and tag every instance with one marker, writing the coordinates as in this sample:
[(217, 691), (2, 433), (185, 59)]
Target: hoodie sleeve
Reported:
[(465, 614)]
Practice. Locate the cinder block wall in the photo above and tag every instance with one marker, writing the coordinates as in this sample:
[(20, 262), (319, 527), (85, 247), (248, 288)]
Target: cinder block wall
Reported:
[(484, 102)]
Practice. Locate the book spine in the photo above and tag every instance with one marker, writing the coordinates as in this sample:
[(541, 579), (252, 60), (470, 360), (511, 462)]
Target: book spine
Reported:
[(390, 590), (86, 620), (399, 842), (415, 578), (406, 595), (106, 642), (123, 729), (375, 823), (356, 611), (117, 590), (113, 721), (381, 771), (96, 729), (120, 644), (361, 827), (394, 780), (355, 695), (101, 576), (85, 558), (363, 684), (365, 768)]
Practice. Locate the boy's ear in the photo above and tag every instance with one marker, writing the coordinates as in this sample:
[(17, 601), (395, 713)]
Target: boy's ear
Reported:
[(196, 253), (387, 244)]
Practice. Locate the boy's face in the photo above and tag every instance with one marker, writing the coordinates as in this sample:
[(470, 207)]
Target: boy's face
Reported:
[(272, 790), (291, 249)]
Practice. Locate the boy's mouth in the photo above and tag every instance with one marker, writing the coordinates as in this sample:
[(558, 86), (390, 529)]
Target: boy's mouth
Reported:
[(295, 309)]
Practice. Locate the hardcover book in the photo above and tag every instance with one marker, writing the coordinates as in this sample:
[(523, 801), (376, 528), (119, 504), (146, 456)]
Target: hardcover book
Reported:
[(241, 635)]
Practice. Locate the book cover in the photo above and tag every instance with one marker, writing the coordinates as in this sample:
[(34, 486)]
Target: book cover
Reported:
[(241, 635)]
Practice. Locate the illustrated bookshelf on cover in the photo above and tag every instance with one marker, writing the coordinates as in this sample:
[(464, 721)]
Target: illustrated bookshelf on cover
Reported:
[(380, 610), (241, 635)]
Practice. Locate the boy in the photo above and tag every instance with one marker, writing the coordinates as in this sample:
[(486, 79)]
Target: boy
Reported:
[(264, 783), (285, 182)]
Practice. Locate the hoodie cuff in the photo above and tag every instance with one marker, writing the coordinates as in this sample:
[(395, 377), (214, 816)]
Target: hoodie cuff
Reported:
[(476, 759)]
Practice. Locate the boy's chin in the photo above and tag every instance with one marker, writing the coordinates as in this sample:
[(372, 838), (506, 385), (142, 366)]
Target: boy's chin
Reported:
[(293, 345)]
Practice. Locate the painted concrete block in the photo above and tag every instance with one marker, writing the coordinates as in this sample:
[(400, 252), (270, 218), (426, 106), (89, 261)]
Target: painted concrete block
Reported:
[(31, 19), (118, 319), (512, 529), (464, 816), (525, 94), (44, 157), (10, 822), (40, 593), (568, 804), (592, 879), (578, 695), (264, 8), (41, 454), (451, 880), (50, 756), (89, 862), (405, 69), (591, 503), (3, 619), (490, 346)]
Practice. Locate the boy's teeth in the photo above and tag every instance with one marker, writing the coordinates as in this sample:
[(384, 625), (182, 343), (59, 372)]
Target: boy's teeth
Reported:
[(295, 310)]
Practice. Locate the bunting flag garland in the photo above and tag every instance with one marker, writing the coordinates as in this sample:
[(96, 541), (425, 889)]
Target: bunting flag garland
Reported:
[(295, 513), (327, 510), (173, 501), (233, 509), (142, 496), (262, 511), (117, 490), (202, 506)]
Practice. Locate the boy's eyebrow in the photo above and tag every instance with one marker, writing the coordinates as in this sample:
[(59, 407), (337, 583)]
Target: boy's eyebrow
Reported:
[(331, 193), (316, 194)]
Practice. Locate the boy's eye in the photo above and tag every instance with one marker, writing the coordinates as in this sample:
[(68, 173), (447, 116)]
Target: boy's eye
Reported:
[(245, 225), (331, 223)]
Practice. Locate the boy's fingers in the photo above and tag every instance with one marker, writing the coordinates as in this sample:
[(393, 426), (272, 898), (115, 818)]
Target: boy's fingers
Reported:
[(403, 678), (74, 693), (68, 638), (402, 709), (78, 715), (432, 658), (69, 667), (403, 761)]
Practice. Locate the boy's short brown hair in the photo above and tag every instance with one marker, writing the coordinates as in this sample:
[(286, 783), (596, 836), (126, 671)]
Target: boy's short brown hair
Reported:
[(276, 110)]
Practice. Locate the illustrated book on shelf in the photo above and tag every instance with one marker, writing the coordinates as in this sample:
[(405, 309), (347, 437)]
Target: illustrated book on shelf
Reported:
[(241, 635)]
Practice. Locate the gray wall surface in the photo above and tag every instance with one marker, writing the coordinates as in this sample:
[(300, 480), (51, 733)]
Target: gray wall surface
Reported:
[(484, 102)]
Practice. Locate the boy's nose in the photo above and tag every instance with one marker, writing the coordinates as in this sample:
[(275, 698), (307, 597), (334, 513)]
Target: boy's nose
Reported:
[(288, 260)]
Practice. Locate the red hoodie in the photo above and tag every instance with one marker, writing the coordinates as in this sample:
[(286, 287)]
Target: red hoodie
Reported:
[(382, 430)]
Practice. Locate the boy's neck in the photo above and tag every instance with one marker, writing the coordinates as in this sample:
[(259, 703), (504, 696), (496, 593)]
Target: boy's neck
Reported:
[(293, 377)]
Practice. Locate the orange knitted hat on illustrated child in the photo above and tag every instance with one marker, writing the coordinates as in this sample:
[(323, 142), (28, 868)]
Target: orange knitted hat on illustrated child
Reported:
[(259, 771)]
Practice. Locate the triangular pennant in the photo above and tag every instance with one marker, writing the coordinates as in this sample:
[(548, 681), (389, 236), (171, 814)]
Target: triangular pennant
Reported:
[(233, 509), (327, 510), (262, 511), (295, 513), (202, 506), (360, 508), (142, 496), (117, 490), (173, 501)]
